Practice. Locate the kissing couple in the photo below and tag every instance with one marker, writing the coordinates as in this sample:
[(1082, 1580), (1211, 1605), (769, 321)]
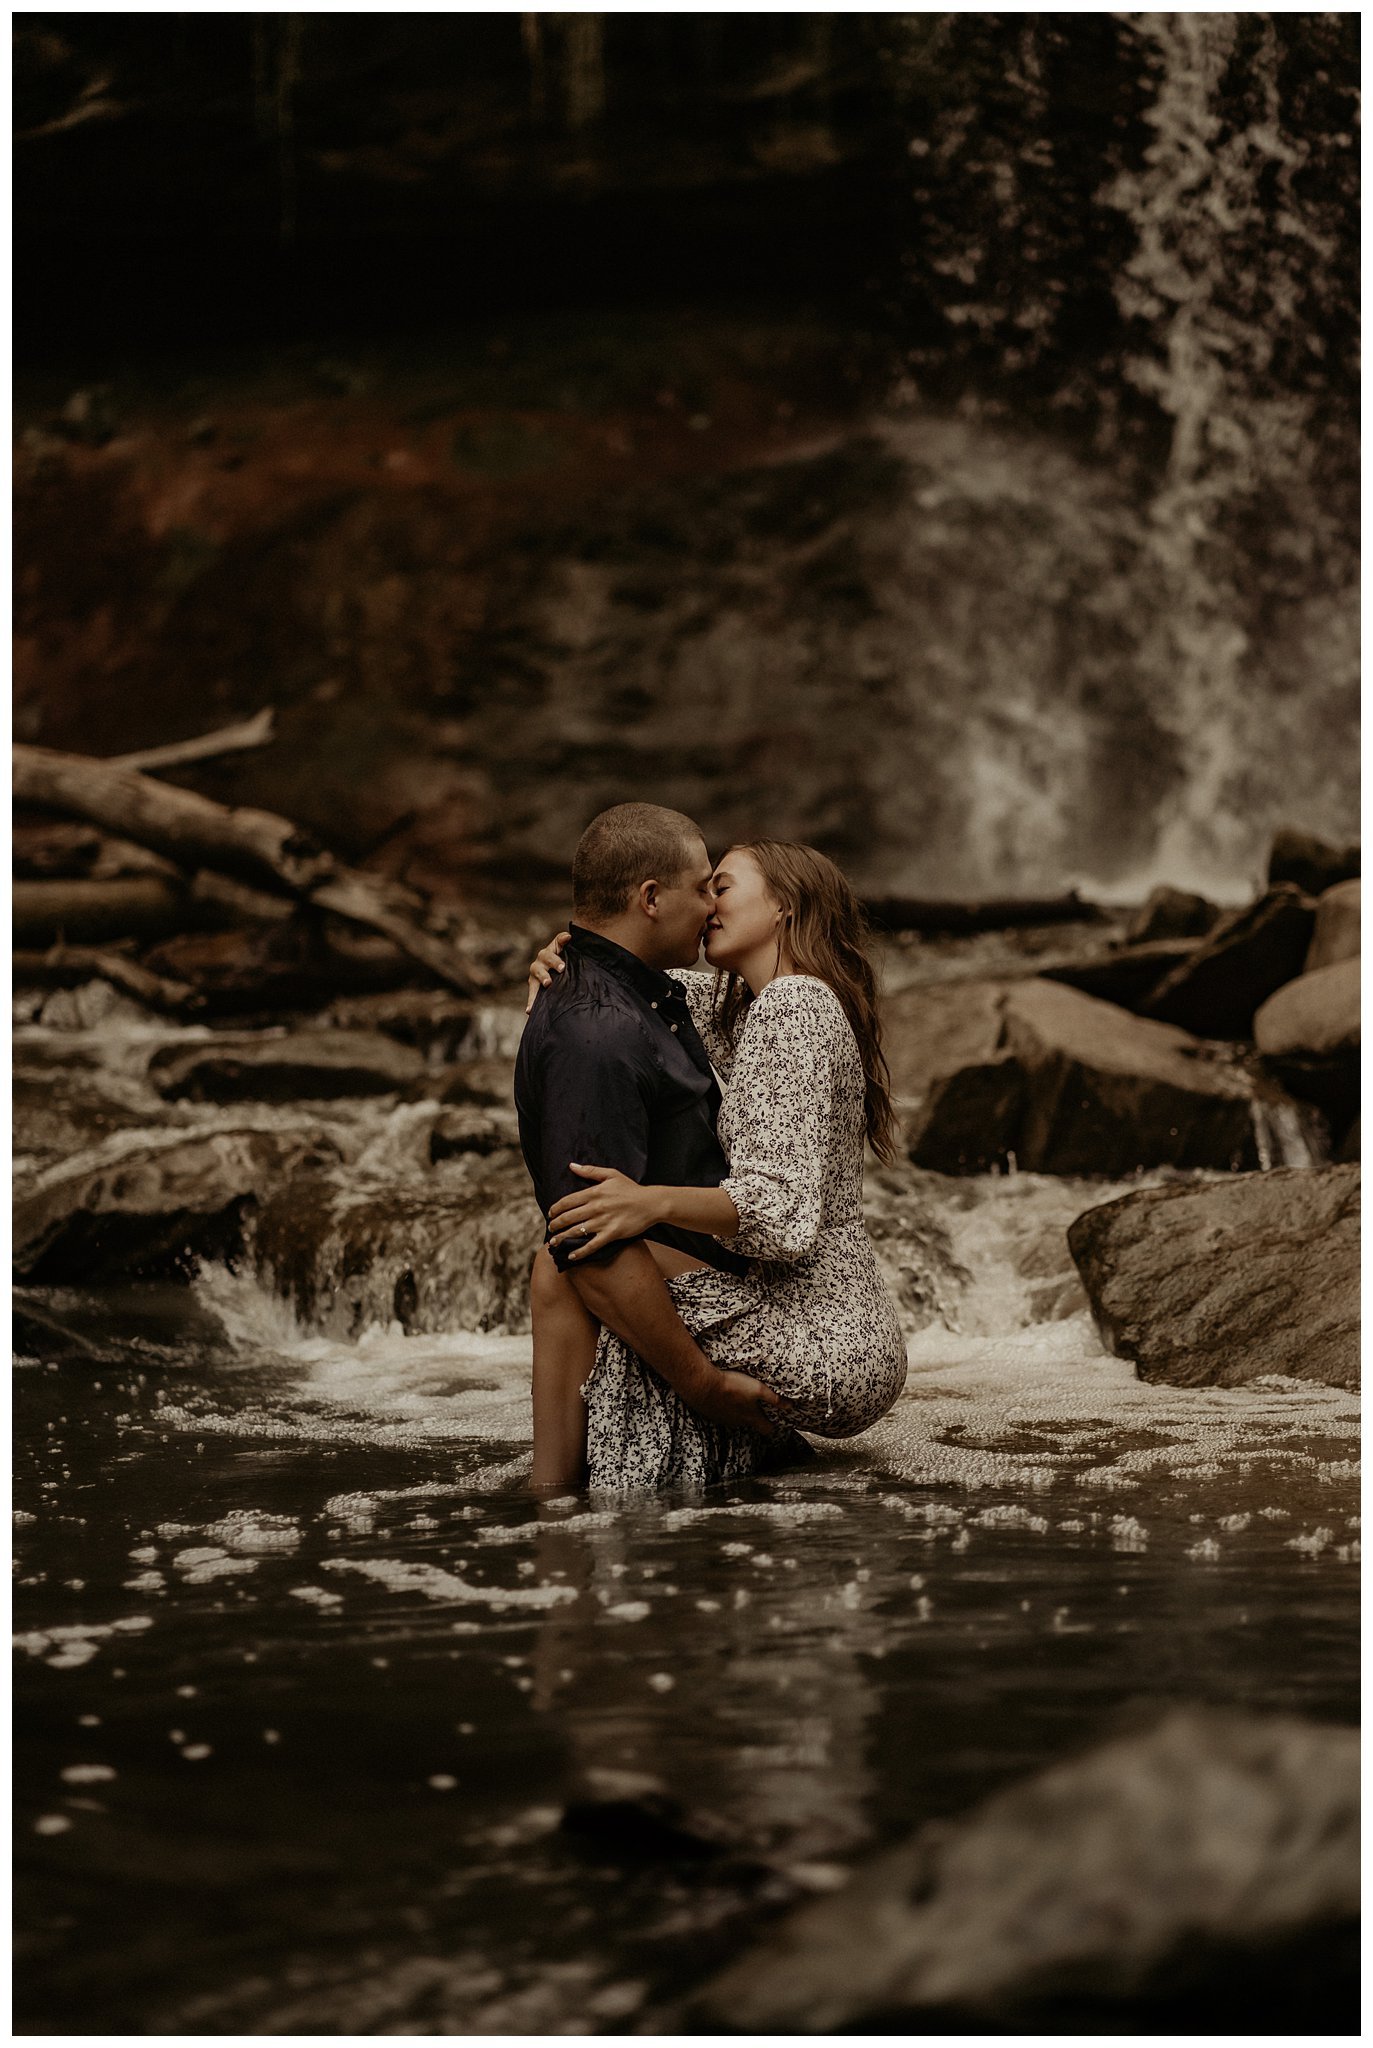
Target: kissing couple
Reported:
[(695, 1139)]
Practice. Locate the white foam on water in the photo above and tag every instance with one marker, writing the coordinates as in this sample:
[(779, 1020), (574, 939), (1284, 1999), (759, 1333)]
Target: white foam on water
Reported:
[(400, 1575)]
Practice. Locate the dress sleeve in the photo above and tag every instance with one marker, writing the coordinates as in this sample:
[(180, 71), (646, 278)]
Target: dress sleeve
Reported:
[(781, 1107), (699, 990)]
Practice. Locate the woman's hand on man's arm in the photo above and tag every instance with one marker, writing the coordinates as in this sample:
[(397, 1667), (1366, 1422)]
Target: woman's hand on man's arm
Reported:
[(614, 1208)]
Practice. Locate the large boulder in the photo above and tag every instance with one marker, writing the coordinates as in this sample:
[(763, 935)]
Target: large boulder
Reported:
[(265, 1067), (1337, 933), (350, 1254), (1314, 864), (1216, 990), (1197, 1872), (1223, 1282), (1108, 1092), (1124, 975), (1042, 1076), (123, 1211), (1317, 1014)]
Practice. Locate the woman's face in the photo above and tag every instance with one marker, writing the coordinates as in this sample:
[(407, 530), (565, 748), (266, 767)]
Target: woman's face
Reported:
[(746, 918)]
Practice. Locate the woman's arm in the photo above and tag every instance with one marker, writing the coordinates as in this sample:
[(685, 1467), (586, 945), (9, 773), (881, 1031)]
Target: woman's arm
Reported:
[(781, 1115), (613, 1207)]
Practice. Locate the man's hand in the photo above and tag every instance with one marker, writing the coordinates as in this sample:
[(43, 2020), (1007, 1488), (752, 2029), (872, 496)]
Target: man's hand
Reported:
[(629, 1295), (547, 962), (738, 1402)]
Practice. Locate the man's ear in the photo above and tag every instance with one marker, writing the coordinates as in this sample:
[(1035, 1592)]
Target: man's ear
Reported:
[(648, 898)]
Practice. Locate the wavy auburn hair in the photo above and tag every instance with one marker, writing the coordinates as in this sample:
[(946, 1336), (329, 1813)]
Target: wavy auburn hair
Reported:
[(828, 937)]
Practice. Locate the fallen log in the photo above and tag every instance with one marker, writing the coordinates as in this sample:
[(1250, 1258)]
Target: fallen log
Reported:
[(72, 966), (954, 916), (132, 906), (210, 746), (189, 829), (201, 834)]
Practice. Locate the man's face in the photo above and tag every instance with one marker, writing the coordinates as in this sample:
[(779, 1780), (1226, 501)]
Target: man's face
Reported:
[(683, 908)]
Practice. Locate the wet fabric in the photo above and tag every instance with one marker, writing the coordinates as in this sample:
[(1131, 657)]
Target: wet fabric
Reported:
[(612, 1071), (812, 1317)]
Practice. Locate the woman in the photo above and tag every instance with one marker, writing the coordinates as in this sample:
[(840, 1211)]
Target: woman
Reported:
[(789, 1019)]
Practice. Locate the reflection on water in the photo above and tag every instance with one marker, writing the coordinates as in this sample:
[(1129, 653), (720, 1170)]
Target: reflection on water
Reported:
[(305, 1684)]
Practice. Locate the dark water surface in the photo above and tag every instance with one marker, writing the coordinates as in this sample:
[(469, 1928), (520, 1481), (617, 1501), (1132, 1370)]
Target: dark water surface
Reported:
[(305, 1685)]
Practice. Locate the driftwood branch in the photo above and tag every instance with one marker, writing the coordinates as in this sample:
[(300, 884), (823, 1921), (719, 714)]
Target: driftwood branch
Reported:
[(230, 739)]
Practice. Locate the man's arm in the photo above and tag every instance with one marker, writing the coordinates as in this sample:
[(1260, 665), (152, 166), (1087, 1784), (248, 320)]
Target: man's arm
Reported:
[(629, 1295)]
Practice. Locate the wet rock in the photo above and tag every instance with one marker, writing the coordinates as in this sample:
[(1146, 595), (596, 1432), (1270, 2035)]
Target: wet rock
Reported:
[(958, 1091), (127, 1211), (1351, 1146), (59, 1111), (474, 1130), (349, 1255), (1214, 1857), (1126, 976), (1218, 1284), (1316, 1015), (1248, 955), (302, 1065), (1329, 1083), (435, 1021), (1107, 1092), (1313, 864), (1044, 1077), (1337, 935), (1171, 914)]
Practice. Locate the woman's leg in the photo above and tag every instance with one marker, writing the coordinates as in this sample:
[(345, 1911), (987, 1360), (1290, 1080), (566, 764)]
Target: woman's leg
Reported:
[(565, 1336)]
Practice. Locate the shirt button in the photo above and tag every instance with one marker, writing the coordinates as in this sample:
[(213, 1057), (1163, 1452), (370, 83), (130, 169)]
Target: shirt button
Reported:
[(653, 1006), (672, 1027)]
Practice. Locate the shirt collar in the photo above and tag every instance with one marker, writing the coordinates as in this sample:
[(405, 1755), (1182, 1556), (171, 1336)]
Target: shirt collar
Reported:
[(649, 982)]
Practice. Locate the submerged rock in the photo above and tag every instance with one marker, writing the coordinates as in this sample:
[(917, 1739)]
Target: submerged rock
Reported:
[(147, 1208), (303, 1065), (1217, 1284), (350, 1255), (1216, 991), (1338, 926), (1317, 1014), (1218, 1852)]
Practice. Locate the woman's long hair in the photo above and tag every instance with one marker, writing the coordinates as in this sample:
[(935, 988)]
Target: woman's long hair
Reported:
[(827, 936)]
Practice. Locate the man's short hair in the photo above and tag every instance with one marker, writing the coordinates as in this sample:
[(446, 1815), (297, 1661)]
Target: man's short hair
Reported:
[(625, 846)]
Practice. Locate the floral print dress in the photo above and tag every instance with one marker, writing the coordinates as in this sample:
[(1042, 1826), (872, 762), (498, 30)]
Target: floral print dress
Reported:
[(812, 1318)]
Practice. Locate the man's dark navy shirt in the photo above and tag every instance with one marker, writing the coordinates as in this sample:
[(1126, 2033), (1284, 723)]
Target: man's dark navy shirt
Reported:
[(612, 1072)]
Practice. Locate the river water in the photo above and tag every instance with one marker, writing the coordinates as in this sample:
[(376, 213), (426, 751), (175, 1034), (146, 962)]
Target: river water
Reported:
[(324, 1727)]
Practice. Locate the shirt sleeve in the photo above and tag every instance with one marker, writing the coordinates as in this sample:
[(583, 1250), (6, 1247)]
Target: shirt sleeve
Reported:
[(597, 1078), (781, 1097), (699, 990)]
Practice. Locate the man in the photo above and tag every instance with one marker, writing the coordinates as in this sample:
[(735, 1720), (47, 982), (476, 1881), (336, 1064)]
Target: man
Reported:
[(611, 1072)]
